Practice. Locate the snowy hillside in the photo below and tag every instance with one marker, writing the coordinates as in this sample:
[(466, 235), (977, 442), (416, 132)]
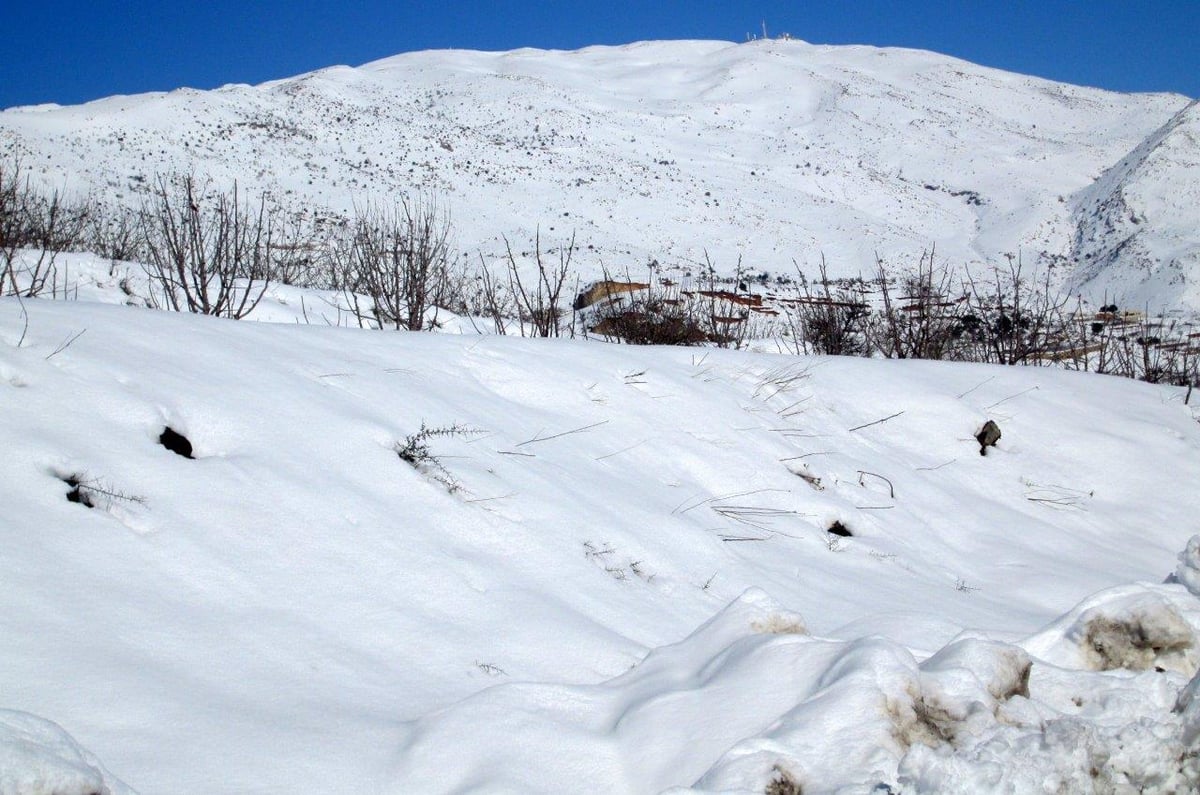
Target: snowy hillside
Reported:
[(599, 569), (1136, 228), (771, 151)]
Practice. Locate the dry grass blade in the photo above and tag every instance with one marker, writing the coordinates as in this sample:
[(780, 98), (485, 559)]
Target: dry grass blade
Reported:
[(63, 345), (754, 515), (537, 439), (1010, 397), (618, 452), (781, 380), (876, 422), (807, 455), (680, 509), (1055, 496)]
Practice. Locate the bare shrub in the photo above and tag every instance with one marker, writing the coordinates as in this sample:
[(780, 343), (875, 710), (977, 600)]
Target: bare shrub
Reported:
[(924, 321), (650, 320), (727, 322), (415, 450), (493, 299), (828, 320), (1014, 319), (94, 493), (114, 233), (296, 257), (398, 259), (783, 783), (1132, 344), (34, 229), (724, 314), (207, 252), (1156, 350), (537, 304), (655, 315)]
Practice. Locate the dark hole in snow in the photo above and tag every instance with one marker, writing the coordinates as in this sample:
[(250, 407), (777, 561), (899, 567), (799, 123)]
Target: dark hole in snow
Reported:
[(839, 529), (77, 494), (175, 442)]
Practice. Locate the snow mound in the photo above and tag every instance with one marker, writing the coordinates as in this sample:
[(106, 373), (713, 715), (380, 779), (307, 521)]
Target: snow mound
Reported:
[(1131, 627), (1100, 727), (773, 712), (978, 716), (38, 758), (643, 731)]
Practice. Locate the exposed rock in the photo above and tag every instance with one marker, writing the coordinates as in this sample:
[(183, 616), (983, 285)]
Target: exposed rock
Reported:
[(988, 436)]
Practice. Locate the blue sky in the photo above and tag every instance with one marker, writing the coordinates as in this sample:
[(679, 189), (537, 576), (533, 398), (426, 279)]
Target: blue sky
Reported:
[(71, 51)]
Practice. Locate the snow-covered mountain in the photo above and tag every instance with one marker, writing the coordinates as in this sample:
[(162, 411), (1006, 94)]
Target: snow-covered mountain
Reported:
[(771, 151), (1137, 229)]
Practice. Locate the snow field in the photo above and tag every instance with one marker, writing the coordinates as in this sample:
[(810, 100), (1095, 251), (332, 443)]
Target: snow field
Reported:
[(297, 607)]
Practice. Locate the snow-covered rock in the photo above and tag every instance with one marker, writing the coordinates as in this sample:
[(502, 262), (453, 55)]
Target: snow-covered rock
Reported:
[(38, 758)]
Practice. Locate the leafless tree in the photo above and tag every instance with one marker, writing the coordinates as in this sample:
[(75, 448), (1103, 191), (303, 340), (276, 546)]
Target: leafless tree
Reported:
[(207, 252), (296, 257), (394, 264), (493, 299), (113, 232), (1157, 350), (723, 306)]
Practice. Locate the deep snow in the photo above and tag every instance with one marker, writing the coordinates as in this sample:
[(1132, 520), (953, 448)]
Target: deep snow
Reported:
[(620, 580)]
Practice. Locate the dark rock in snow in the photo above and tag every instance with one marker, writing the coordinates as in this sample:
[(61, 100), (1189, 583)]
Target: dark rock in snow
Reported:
[(988, 436)]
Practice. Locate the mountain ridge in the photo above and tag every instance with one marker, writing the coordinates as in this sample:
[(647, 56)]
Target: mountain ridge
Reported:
[(1124, 221)]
